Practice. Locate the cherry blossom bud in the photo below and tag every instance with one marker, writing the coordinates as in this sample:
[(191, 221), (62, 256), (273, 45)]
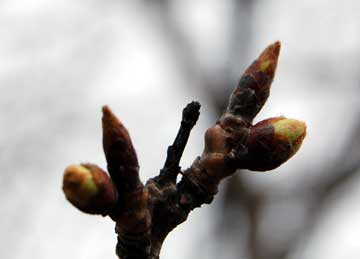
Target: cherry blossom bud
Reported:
[(89, 188), (272, 142), (254, 87), (120, 154)]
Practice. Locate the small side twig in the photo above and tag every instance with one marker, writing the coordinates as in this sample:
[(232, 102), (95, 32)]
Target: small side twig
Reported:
[(174, 153)]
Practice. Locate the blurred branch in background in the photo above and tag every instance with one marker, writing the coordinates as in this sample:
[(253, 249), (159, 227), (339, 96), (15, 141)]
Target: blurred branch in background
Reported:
[(216, 85)]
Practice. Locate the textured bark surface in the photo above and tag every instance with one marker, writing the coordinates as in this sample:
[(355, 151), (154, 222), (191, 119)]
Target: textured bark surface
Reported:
[(146, 213)]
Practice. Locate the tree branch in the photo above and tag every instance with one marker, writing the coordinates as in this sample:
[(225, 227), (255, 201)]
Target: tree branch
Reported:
[(146, 214)]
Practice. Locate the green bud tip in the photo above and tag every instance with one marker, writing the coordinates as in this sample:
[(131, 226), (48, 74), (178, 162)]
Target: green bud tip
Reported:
[(293, 130), (79, 185), (267, 61)]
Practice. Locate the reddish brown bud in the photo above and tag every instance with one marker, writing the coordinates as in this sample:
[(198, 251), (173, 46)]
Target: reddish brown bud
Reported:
[(272, 142), (120, 154), (89, 189), (253, 89)]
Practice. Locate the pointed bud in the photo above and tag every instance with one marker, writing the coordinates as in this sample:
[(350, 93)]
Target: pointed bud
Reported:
[(89, 189), (253, 90), (120, 154), (272, 142), (267, 61)]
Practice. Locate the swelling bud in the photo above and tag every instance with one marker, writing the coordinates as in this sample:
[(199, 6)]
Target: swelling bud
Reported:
[(272, 142), (89, 189), (254, 86)]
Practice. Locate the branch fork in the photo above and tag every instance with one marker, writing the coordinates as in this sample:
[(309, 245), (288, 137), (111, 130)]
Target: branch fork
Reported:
[(146, 213)]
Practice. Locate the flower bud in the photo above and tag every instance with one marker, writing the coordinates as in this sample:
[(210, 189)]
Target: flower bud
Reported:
[(254, 86), (120, 154), (89, 188), (272, 142)]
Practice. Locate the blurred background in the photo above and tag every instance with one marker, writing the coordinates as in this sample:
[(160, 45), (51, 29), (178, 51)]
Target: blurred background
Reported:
[(62, 60)]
